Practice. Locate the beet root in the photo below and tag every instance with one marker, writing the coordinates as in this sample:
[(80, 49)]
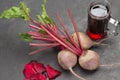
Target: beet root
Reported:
[(89, 60), (67, 61)]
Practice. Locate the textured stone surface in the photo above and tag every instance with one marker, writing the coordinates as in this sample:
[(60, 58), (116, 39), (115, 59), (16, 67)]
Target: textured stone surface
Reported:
[(14, 51)]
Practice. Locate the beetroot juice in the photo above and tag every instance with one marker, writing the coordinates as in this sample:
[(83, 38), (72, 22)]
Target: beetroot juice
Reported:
[(98, 18)]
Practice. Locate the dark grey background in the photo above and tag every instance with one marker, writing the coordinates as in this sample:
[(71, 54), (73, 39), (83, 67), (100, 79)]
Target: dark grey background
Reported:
[(14, 51)]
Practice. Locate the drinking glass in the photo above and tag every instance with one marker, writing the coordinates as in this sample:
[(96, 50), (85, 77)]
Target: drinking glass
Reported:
[(99, 16)]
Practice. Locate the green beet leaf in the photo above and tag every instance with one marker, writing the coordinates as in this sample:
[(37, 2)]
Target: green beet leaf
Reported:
[(42, 32), (17, 12), (44, 18), (26, 37)]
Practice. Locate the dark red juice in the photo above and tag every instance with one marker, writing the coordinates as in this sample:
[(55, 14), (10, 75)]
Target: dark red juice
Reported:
[(98, 18)]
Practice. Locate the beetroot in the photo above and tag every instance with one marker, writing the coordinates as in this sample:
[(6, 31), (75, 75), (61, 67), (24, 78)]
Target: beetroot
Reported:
[(38, 77), (32, 68), (39, 67), (52, 73), (29, 69), (37, 71)]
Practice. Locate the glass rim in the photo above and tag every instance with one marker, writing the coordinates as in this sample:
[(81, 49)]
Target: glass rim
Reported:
[(105, 2)]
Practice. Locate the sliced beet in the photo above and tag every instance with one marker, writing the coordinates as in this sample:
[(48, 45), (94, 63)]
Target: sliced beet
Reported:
[(37, 71), (29, 69), (39, 77), (39, 67), (52, 73), (32, 68)]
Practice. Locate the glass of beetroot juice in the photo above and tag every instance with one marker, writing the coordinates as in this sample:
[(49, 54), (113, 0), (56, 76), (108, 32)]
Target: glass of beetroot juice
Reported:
[(99, 15)]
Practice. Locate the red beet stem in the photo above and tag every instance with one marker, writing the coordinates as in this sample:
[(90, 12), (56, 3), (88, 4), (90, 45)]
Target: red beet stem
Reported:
[(57, 38), (61, 32), (67, 33), (34, 27), (44, 44), (54, 36), (75, 27), (43, 39), (65, 42), (52, 27), (42, 49), (37, 34)]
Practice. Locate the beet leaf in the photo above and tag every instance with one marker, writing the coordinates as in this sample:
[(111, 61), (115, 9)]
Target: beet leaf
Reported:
[(16, 12)]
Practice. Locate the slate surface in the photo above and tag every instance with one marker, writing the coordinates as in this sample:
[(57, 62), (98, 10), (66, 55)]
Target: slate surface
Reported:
[(14, 51)]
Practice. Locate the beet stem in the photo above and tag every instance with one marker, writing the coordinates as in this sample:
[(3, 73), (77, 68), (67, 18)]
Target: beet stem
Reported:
[(43, 39), (74, 50), (35, 33), (34, 27), (67, 33), (61, 41), (71, 70), (52, 27), (42, 49), (56, 37), (61, 32), (75, 27), (42, 44)]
